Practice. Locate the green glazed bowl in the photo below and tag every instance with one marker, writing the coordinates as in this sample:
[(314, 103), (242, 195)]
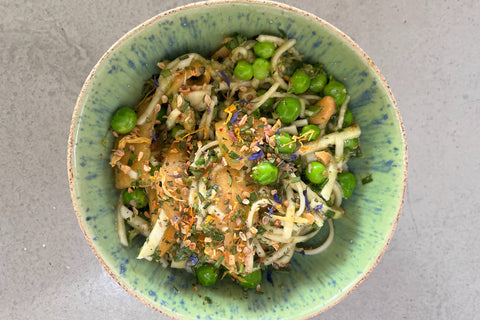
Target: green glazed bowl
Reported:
[(315, 283)]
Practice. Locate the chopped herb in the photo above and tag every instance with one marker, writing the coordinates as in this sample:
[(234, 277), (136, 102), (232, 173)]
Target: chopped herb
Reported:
[(330, 214), (219, 261), (183, 253), (224, 148), (131, 159), (233, 155), (165, 73), (184, 57), (230, 181), (208, 300), (182, 145), (239, 199), (260, 230), (200, 161), (237, 40), (253, 197), (185, 106), (295, 180), (367, 179)]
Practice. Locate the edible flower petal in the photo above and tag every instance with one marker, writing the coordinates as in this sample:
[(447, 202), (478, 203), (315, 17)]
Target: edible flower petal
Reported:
[(225, 77), (307, 205), (256, 156)]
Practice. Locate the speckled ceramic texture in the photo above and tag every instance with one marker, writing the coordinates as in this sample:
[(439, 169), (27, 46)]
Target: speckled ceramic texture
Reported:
[(315, 282)]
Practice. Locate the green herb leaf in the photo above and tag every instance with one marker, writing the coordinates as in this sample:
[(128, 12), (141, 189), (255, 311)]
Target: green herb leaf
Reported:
[(367, 179)]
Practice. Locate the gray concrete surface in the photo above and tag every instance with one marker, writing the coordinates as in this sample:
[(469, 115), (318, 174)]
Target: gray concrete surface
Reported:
[(428, 51)]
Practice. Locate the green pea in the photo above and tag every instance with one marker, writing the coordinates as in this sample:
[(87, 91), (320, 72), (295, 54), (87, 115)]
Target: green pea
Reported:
[(265, 173), (336, 90), (264, 49), (252, 280), (348, 118), (299, 82), (284, 143), (350, 143), (136, 195), (124, 120), (177, 131), (243, 70), (313, 132), (318, 82), (260, 68), (268, 103), (316, 172), (347, 182), (207, 275), (288, 109)]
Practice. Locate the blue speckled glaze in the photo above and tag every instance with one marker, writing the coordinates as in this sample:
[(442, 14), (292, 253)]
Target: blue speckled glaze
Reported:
[(316, 282)]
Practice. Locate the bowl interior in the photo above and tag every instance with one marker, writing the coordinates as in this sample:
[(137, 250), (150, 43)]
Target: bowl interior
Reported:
[(315, 282)]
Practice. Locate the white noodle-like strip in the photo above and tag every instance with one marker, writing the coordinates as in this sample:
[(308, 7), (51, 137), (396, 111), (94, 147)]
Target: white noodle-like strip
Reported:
[(339, 142), (338, 193), (315, 200), (288, 225), (256, 205), (291, 130), (172, 118), (151, 106), (257, 102), (155, 237), (192, 195), (268, 38), (300, 123), (122, 231), (135, 221), (324, 245), (278, 79), (201, 150), (332, 176), (341, 113), (278, 53), (310, 97), (258, 248), (324, 142), (285, 249), (302, 107)]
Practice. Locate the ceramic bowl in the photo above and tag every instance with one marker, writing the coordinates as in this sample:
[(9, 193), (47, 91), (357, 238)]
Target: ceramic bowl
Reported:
[(315, 283)]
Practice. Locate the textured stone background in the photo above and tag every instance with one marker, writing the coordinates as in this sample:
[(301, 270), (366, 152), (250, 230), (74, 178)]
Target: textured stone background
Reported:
[(427, 50)]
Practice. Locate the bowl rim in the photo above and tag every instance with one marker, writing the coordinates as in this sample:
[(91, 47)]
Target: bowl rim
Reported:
[(283, 6)]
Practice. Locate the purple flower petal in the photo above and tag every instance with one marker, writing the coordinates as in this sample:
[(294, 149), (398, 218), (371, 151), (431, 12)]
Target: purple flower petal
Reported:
[(175, 175), (270, 211), (234, 118), (319, 208), (277, 198), (256, 156), (193, 260), (226, 78), (306, 200)]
